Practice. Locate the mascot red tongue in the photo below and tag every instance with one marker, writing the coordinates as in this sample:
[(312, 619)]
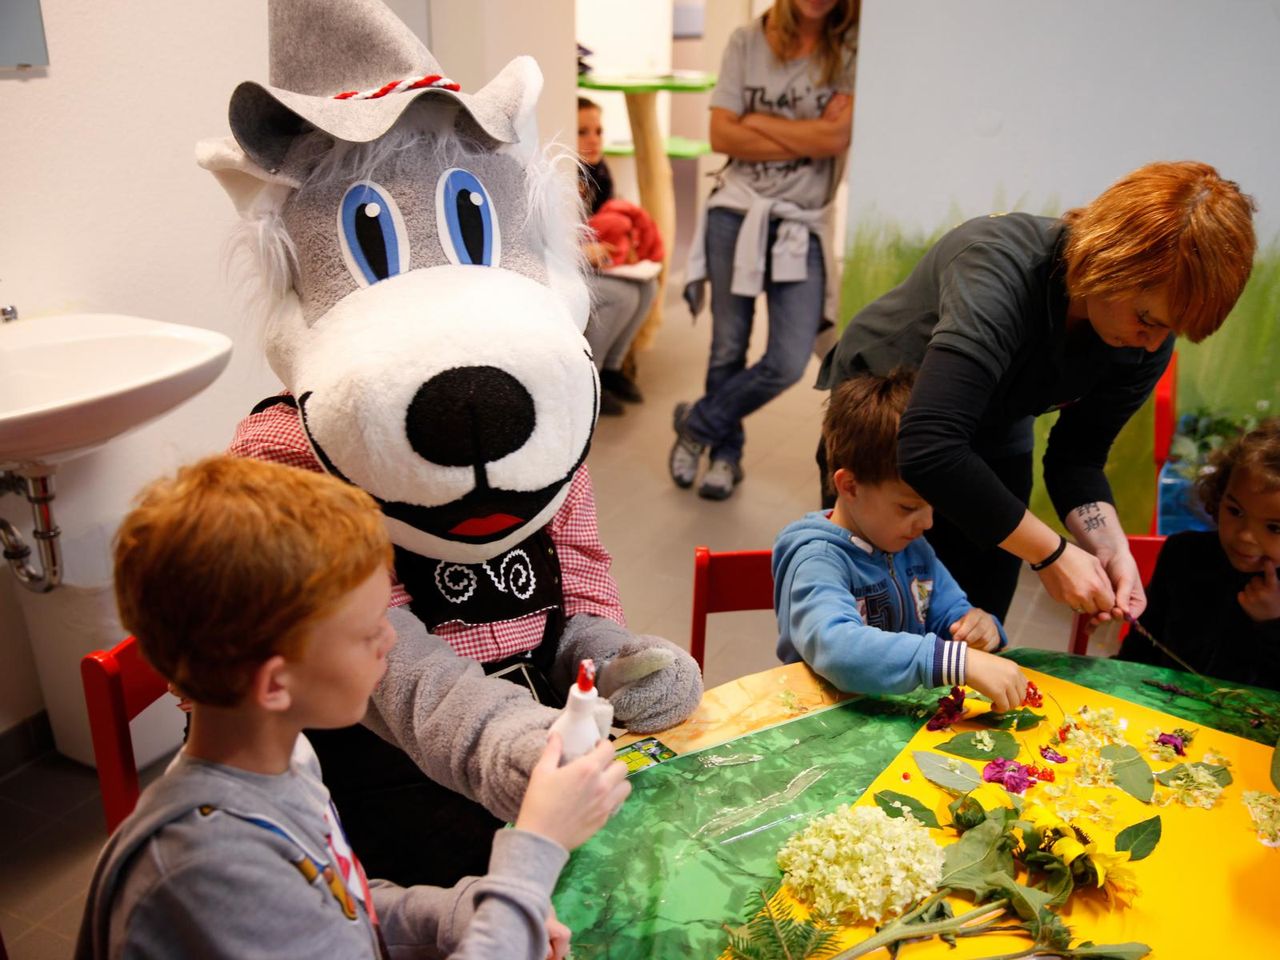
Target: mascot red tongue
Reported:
[(418, 281)]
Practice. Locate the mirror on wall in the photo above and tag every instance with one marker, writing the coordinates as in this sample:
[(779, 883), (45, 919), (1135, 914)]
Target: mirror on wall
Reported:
[(22, 35)]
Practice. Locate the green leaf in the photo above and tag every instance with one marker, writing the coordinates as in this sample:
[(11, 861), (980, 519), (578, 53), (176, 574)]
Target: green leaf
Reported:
[(1275, 766), (1020, 719), (1139, 839), (1057, 876), (1221, 774), (938, 910), (888, 801), (946, 772), (980, 862), (966, 745), (1131, 773), (1109, 951), (1027, 902)]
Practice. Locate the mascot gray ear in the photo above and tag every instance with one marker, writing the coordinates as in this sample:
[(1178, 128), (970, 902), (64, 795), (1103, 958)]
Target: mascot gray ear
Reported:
[(516, 90), (252, 189), (259, 196)]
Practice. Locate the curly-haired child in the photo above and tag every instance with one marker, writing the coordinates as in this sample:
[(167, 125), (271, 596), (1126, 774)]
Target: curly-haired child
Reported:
[(1214, 599)]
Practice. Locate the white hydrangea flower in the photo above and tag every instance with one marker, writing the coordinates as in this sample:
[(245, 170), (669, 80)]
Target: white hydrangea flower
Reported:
[(861, 864)]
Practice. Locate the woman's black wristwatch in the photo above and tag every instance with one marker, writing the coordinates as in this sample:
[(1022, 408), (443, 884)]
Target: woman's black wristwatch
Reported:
[(1061, 548)]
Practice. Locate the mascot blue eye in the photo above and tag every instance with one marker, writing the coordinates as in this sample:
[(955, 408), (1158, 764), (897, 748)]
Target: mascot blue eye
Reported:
[(371, 231), (465, 220)]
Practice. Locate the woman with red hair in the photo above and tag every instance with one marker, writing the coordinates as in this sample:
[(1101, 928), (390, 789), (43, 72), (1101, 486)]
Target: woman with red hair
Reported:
[(1010, 316)]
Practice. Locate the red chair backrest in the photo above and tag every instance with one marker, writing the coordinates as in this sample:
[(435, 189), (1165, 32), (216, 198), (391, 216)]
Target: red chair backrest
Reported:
[(1166, 413), (118, 685), (1145, 550), (723, 583)]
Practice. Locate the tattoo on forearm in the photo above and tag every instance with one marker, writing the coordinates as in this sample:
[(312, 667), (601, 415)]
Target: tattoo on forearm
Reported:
[(1091, 516)]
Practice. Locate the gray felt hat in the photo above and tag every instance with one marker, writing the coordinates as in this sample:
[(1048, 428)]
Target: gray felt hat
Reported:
[(351, 68)]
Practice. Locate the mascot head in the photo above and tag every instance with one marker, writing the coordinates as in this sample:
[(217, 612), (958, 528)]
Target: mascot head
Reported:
[(417, 254)]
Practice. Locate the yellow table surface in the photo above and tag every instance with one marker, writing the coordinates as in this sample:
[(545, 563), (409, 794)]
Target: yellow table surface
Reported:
[(1210, 888)]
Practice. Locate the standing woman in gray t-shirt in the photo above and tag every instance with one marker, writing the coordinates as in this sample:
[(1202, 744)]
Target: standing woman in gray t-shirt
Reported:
[(782, 111)]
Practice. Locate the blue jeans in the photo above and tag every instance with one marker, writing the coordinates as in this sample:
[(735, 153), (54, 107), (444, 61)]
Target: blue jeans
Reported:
[(733, 389)]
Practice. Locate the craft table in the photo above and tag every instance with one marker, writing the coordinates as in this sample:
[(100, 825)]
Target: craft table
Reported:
[(653, 165), (764, 753)]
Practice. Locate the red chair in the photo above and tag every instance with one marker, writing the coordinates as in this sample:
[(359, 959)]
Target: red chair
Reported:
[(1145, 551), (723, 583), (118, 685), (1166, 423)]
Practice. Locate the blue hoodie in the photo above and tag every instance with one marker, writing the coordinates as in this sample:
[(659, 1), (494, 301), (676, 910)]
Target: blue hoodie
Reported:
[(866, 620)]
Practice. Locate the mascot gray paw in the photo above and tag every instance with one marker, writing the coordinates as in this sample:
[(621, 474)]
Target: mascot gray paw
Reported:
[(651, 682)]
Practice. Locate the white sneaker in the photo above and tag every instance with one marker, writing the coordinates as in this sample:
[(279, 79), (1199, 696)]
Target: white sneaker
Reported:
[(686, 452), (719, 480)]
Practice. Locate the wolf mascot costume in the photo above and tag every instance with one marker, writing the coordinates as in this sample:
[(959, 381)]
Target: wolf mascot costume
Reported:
[(423, 306)]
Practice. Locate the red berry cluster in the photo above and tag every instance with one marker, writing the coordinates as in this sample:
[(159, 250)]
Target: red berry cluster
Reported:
[(1034, 697)]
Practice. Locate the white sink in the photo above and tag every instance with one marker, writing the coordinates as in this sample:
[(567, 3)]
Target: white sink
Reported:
[(68, 384)]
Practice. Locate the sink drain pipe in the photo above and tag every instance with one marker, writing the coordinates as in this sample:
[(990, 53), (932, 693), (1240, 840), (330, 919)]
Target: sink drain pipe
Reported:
[(39, 492)]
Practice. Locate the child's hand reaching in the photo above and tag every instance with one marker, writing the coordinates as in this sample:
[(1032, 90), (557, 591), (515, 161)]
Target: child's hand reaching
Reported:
[(558, 935), (568, 804), (978, 629), (1260, 597), (1000, 679)]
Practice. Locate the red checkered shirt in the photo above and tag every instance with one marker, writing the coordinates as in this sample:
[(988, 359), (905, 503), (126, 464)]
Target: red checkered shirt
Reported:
[(276, 435)]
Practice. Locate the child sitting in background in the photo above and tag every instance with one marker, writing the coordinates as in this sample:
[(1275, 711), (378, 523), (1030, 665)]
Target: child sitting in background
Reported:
[(621, 234), (261, 591), (859, 596), (1214, 599)]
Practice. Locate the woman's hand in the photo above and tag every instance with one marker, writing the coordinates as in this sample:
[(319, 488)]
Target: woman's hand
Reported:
[(1078, 579), (1131, 598)]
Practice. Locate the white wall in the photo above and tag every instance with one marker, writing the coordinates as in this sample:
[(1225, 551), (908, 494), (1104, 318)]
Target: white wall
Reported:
[(963, 108), (105, 210), (474, 39)]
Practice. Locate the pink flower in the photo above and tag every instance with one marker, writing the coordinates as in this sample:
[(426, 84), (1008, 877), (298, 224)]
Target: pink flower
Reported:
[(1010, 774), (1052, 755), (1173, 740)]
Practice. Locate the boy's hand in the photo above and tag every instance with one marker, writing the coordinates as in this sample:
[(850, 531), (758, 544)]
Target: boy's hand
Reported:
[(978, 629), (1000, 679), (559, 936), (1260, 597), (568, 804)]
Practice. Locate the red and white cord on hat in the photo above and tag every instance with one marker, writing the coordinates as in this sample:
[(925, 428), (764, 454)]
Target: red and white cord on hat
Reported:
[(399, 86)]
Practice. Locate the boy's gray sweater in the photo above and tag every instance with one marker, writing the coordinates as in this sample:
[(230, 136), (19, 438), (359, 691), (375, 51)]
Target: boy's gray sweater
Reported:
[(217, 862)]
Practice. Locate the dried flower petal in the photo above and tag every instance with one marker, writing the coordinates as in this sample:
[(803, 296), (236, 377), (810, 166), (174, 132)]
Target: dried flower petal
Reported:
[(950, 709), (1052, 755)]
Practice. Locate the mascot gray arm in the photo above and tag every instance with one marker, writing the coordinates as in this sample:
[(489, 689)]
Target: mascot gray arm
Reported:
[(651, 682), (476, 735)]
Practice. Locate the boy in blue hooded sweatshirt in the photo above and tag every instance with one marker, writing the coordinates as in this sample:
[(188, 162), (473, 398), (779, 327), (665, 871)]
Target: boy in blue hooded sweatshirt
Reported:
[(860, 595)]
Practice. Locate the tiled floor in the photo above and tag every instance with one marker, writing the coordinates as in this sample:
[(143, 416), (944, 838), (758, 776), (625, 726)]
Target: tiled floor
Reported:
[(50, 812)]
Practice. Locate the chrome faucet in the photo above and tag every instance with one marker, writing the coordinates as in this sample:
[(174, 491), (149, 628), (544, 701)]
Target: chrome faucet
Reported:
[(8, 314)]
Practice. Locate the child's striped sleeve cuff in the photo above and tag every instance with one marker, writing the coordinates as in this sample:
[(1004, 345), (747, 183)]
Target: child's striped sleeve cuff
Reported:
[(948, 663)]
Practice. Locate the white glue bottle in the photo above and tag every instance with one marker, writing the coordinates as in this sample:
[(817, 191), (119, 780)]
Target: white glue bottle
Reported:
[(577, 724)]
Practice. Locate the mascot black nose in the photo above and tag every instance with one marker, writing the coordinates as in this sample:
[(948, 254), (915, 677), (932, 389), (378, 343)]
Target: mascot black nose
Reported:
[(468, 416)]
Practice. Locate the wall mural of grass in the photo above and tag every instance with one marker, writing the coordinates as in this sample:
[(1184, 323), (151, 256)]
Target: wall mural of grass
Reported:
[(1228, 373)]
